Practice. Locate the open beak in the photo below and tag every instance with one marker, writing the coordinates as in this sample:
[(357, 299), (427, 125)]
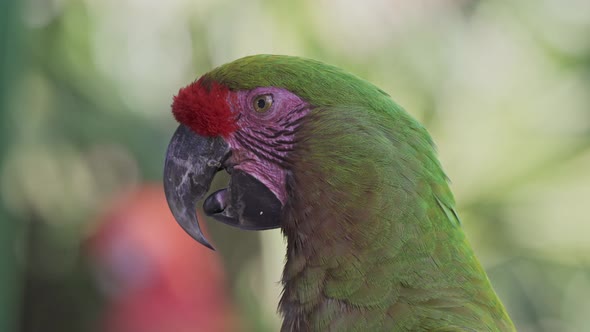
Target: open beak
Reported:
[(190, 166)]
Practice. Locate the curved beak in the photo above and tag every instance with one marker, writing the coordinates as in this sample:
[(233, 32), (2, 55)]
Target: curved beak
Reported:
[(191, 164)]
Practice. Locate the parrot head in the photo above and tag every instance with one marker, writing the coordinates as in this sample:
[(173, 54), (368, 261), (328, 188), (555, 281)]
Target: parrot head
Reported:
[(243, 118), (245, 131)]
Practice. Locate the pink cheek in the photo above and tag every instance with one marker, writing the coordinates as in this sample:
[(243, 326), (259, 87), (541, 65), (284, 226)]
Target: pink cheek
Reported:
[(238, 151)]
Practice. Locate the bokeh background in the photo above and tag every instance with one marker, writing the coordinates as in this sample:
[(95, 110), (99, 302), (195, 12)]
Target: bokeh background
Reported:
[(85, 89)]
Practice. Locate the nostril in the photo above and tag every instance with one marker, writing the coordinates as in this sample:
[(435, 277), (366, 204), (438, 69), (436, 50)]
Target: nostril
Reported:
[(216, 202)]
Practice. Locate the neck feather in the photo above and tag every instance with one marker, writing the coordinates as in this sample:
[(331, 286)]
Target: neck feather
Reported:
[(372, 237)]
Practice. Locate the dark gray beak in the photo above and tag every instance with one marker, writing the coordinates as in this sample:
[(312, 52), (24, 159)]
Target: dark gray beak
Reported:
[(191, 164)]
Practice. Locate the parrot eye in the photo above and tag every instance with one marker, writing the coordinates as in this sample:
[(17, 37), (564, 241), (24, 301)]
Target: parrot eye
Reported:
[(262, 103)]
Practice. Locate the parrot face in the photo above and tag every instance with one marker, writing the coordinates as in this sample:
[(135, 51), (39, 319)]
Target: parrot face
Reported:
[(249, 134)]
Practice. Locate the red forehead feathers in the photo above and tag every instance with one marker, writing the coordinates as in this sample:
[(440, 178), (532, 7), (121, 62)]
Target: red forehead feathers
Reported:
[(202, 106)]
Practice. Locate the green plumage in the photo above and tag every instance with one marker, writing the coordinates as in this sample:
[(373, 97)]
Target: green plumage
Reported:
[(374, 242)]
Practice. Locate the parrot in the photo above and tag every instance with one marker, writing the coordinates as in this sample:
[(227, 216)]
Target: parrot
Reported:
[(373, 238)]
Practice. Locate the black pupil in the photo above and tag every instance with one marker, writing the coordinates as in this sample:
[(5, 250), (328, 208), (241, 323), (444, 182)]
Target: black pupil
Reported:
[(261, 103)]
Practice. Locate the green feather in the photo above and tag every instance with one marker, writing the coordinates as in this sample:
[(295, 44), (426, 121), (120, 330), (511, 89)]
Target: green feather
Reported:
[(374, 241)]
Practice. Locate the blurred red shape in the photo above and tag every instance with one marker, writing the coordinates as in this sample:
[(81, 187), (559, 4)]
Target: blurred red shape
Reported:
[(158, 279)]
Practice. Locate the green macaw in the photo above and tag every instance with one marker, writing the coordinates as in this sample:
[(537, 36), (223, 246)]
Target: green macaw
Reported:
[(374, 242)]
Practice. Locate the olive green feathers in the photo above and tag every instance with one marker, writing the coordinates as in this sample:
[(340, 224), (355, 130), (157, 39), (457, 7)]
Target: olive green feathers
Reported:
[(374, 240)]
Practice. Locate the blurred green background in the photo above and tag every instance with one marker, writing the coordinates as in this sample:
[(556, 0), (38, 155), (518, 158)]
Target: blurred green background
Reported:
[(85, 89)]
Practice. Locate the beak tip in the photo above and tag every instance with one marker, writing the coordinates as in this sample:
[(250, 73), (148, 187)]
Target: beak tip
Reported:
[(192, 228), (194, 231), (207, 244)]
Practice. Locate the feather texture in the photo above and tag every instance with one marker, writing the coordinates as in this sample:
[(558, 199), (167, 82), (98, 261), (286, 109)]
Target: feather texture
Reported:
[(374, 241)]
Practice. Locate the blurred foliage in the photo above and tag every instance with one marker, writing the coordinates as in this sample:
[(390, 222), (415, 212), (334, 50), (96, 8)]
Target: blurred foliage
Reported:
[(10, 273), (85, 88)]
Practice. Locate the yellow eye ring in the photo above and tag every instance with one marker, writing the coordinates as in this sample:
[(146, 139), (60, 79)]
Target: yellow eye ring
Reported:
[(262, 103)]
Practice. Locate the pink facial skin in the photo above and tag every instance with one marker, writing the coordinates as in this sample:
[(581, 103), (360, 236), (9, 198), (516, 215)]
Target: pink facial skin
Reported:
[(262, 142)]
